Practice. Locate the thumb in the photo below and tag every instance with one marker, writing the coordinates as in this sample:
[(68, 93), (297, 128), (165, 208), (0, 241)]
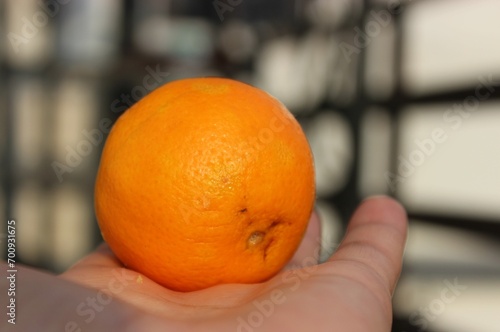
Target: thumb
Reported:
[(375, 239)]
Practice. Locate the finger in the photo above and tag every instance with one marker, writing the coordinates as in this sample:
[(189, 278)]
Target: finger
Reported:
[(84, 271), (375, 240), (101, 256), (308, 251)]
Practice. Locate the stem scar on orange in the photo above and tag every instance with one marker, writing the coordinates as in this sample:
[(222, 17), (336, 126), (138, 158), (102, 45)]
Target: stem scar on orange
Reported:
[(205, 181)]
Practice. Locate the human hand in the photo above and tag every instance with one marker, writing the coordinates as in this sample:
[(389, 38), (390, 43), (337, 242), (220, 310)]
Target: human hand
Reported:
[(350, 292)]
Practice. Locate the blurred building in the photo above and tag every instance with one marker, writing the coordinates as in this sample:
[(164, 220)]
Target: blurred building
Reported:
[(396, 97)]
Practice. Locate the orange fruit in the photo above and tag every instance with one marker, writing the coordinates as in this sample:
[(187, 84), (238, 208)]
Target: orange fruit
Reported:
[(205, 181)]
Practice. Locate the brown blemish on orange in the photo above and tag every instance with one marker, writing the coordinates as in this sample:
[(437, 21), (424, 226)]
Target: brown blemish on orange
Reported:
[(255, 238), (267, 247), (274, 224)]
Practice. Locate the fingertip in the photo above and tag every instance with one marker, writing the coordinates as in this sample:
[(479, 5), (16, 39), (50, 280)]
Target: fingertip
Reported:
[(385, 209)]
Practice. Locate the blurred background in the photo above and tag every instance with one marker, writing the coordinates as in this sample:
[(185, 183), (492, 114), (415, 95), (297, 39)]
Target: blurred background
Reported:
[(396, 97)]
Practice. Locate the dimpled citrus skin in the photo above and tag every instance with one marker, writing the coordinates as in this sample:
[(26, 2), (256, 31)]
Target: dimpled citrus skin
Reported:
[(205, 181)]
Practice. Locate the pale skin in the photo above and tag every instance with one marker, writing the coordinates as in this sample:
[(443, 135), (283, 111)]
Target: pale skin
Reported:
[(350, 292)]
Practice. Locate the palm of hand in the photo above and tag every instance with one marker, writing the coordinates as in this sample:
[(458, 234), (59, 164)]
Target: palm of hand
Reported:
[(351, 292)]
